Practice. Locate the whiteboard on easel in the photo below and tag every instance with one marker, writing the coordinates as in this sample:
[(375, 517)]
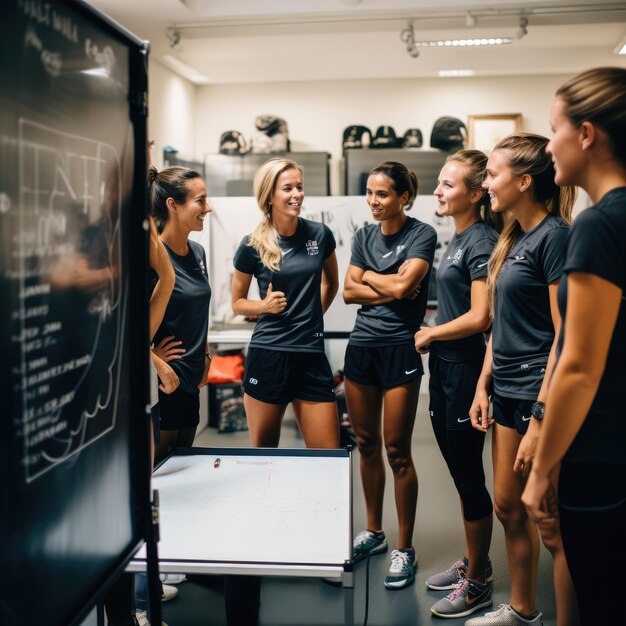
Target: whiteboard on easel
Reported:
[(233, 218), (255, 506)]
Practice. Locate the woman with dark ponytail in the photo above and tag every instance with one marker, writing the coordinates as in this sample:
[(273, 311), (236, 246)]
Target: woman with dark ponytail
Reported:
[(178, 203), (584, 430), (388, 276), (524, 273)]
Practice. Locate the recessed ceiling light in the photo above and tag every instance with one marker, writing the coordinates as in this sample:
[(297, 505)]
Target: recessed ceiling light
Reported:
[(456, 73)]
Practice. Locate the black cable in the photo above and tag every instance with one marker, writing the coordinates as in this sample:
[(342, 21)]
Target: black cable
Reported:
[(367, 590)]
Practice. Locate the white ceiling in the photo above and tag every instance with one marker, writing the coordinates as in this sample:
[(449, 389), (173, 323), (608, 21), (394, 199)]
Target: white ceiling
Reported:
[(248, 41)]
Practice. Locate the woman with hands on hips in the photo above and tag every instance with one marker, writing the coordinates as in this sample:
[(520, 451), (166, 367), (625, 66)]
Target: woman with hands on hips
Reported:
[(388, 276), (178, 200), (457, 349), (522, 283), (584, 428)]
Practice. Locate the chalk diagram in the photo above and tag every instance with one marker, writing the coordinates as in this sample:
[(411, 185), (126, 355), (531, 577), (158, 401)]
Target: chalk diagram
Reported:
[(263, 509), (71, 305)]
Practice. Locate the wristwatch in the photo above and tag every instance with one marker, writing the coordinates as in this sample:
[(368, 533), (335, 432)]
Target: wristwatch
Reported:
[(537, 410)]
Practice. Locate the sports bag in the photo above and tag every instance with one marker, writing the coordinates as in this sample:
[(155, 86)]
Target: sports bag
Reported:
[(385, 137), (232, 142), (412, 138)]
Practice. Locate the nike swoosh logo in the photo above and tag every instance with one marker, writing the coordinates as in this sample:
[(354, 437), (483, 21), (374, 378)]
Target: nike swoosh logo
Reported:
[(482, 264), (410, 371), (388, 254), (525, 419), (286, 252), (460, 421)]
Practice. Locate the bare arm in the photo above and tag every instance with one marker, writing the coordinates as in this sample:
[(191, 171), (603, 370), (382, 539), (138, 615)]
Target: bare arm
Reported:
[(161, 264), (479, 411), (356, 292), (274, 302), (592, 309), (528, 445), (476, 320), (400, 284), (330, 281)]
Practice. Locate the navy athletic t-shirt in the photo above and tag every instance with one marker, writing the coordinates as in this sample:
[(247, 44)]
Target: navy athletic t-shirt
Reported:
[(300, 328), (187, 314), (523, 332), (597, 245), (464, 260), (395, 322)]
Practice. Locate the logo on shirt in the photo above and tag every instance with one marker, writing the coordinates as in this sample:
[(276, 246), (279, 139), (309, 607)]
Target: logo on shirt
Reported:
[(457, 256), (520, 257), (312, 248), (286, 252), (253, 381), (202, 268), (398, 250), (318, 334)]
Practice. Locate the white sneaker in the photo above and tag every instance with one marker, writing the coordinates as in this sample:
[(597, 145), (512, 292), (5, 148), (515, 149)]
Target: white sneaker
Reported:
[(142, 619), (172, 579), (169, 593), (504, 616)]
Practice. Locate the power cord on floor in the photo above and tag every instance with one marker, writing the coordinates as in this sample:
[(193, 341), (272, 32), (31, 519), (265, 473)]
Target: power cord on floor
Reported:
[(367, 590)]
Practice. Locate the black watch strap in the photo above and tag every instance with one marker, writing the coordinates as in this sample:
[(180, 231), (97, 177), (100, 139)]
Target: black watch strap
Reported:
[(537, 410)]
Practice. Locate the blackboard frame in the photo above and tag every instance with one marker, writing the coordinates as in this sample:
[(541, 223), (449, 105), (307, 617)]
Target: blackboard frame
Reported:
[(18, 599)]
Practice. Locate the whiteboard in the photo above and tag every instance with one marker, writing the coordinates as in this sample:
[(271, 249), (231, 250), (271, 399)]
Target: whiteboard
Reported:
[(234, 217), (255, 506)]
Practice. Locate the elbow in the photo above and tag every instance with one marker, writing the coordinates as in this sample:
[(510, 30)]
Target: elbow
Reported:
[(483, 323), (236, 306)]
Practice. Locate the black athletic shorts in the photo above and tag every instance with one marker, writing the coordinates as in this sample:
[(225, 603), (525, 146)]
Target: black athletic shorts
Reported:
[(179, 409), (383, 366), (512, 412), (452, 387), (278, 377)]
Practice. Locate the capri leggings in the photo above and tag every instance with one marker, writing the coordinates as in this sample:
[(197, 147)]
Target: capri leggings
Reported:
[(452, 387)]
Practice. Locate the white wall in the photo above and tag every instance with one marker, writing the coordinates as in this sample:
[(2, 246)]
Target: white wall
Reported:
[(317, 112), (171, 113)]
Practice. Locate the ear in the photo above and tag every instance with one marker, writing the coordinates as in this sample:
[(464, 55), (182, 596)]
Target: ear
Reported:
[(526, 181), (476, 195), (588, 134), (171, 205)]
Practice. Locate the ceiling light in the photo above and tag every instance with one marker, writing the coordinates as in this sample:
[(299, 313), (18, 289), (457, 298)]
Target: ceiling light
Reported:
[(470, 20), (621, 47), (491, 41), (522, 30), (173, 37), (185, 70), (456, 73), (407, 35)]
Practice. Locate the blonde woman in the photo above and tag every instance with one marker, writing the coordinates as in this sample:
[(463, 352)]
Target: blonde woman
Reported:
[(522, 283), (294, 263), (585, 423)]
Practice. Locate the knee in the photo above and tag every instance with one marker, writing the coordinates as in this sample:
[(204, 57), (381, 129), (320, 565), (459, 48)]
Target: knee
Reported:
[(399, 458), (369, 446), (509, 512), (476, 500), (550, 533)]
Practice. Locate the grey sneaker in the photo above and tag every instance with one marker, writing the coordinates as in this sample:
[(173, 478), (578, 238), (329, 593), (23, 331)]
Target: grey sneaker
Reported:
[(366, 543), (470, 596), (401, 572), (504, 616), (454, 575)]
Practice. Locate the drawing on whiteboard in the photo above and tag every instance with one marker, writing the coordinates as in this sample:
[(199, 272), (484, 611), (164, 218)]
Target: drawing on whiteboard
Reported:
[(69, 322)]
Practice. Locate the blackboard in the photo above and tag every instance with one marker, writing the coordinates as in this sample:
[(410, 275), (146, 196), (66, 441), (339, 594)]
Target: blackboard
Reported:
[(73, 308)]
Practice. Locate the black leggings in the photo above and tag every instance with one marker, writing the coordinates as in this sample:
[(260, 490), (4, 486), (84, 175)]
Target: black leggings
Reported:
[(462, 449), (594, 539)]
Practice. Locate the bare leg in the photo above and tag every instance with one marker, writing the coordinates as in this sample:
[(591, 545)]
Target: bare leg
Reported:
[(364, 406), (567, 613), (318, 423), (520, 533), (478, 538), (264, 422), (400, 406)]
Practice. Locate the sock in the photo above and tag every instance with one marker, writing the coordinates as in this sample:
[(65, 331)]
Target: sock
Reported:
[(528, 618), (379, 534)]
